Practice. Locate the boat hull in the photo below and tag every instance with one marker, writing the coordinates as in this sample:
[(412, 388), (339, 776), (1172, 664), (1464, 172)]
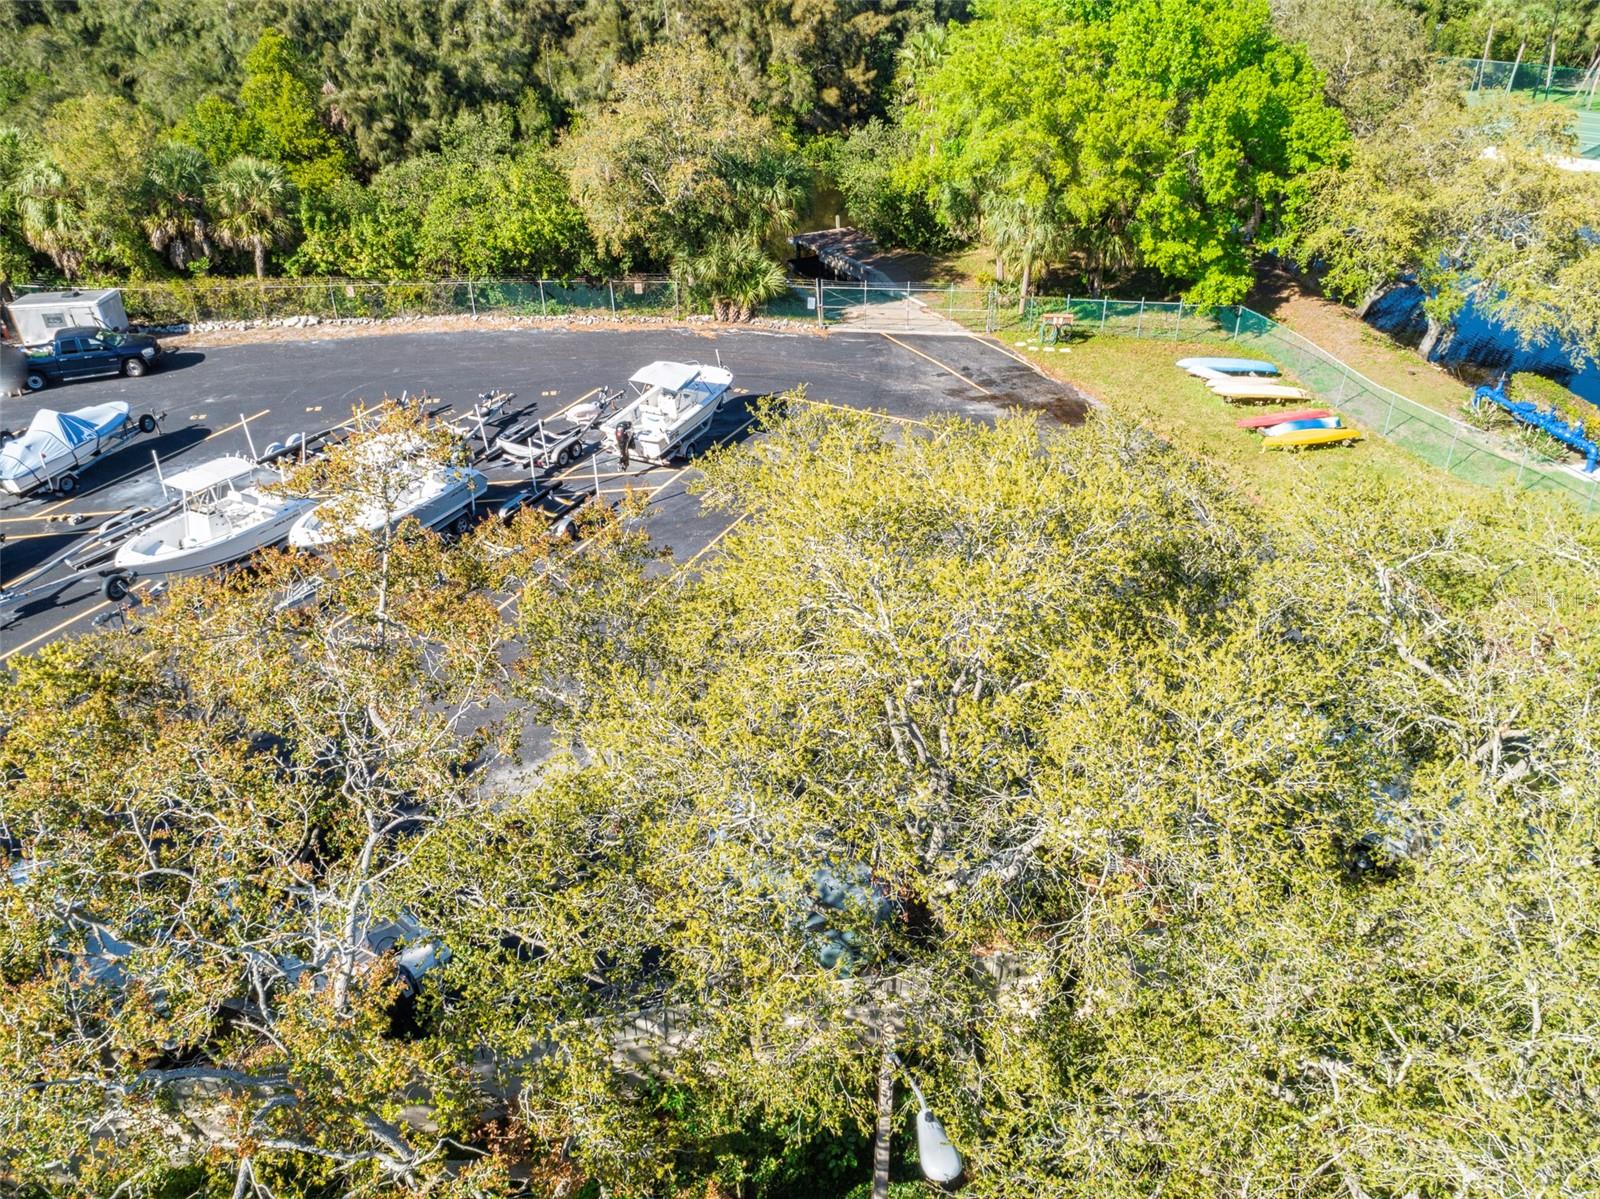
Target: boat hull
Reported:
[(312, 531), (141, 559)]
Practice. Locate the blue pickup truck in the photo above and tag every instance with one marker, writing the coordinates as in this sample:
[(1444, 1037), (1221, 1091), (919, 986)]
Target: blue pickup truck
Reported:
[(75, 353)]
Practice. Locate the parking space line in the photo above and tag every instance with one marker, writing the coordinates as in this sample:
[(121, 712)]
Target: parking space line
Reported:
[(18, 520), (942, 366), (54, 629), (904, 420)]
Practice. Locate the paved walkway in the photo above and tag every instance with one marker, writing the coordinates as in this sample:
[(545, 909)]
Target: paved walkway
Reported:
[(851, 254)]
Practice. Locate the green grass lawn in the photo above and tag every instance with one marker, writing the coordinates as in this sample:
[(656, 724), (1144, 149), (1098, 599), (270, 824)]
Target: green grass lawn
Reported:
[(1137, 380)]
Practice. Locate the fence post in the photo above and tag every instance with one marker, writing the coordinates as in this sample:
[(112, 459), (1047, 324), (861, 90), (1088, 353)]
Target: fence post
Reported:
[(677, 300), (472, 297), (1522, 465), (1343, 379), (1589, 507), (543, 311), (612, 289), (1138, 330), (1388, 418), (1238, 319), (822, 320), (863, 287), (988, 316), (950, 304), (1177, 323), (1105, 304), (333, 302), (1450, 455)]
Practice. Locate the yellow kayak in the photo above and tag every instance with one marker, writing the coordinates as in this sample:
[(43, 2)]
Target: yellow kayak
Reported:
[(1305, 437)]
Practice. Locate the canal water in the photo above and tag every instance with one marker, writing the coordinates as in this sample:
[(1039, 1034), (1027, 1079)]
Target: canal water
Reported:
[(1482, 348)]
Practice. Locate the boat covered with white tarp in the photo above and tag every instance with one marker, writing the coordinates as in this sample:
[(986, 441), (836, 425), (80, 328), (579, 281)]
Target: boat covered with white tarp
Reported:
[(56, 444)]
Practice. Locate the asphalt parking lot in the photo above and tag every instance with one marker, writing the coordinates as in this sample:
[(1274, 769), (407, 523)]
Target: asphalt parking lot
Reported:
[(221, 400)]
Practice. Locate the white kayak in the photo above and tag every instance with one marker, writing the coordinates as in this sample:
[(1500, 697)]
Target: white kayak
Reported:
[(1229, 366), (1256, 389)]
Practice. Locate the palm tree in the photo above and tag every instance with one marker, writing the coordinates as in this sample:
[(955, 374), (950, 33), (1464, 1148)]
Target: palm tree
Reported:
[(172, 195), (768, 191), (733, 276), (52, 216), (1019, 229), (919, 55), (1494, 12), (251, 198)]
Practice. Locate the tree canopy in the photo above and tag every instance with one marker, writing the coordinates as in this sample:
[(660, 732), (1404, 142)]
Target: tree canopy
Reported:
[(1465, 202), (1181, 848), (1164, 134)]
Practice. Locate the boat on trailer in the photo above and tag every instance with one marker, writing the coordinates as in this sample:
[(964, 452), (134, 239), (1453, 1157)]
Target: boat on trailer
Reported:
[(1212, 367), (56, 445), (223, 513), (674, 404), (432, 494)]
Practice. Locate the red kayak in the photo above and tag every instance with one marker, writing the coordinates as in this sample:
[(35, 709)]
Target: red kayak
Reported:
[(1277, 418)]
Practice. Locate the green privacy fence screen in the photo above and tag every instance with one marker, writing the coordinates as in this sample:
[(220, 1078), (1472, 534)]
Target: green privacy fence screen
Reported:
[(1436, 437)]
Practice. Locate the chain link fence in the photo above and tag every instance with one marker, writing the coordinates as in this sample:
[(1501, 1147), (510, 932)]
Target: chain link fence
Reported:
[(1529, 75), (1436, 437)]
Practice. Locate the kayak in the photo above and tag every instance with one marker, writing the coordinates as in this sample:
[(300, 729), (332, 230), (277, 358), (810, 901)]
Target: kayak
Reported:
[(1296, 426), (1230, 366), (1262, 420), (1256, 389), (1290, 441)]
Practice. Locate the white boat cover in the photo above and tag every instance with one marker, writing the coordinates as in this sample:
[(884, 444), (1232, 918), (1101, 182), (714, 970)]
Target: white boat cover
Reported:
[(669, 376), (208, 474), (54, 435)]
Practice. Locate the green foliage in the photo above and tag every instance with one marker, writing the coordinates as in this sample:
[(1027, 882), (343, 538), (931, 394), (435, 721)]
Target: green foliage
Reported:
[(253, 199), (279, 119), (1465, 201), (479, 208), (875, 170), (1185, 846), (17, 151), (1374, 55), (731, 278), (673, 162), (1547, 393), (1168, 135)]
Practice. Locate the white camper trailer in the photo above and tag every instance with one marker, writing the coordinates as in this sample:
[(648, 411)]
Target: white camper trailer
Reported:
[(34, 318)]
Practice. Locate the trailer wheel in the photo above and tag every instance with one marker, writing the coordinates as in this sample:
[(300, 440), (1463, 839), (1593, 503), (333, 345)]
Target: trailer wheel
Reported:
[(563, 457), (115, 588), (133, 367), (36, 381), (67, 484), (461, 524), (147, 423)]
